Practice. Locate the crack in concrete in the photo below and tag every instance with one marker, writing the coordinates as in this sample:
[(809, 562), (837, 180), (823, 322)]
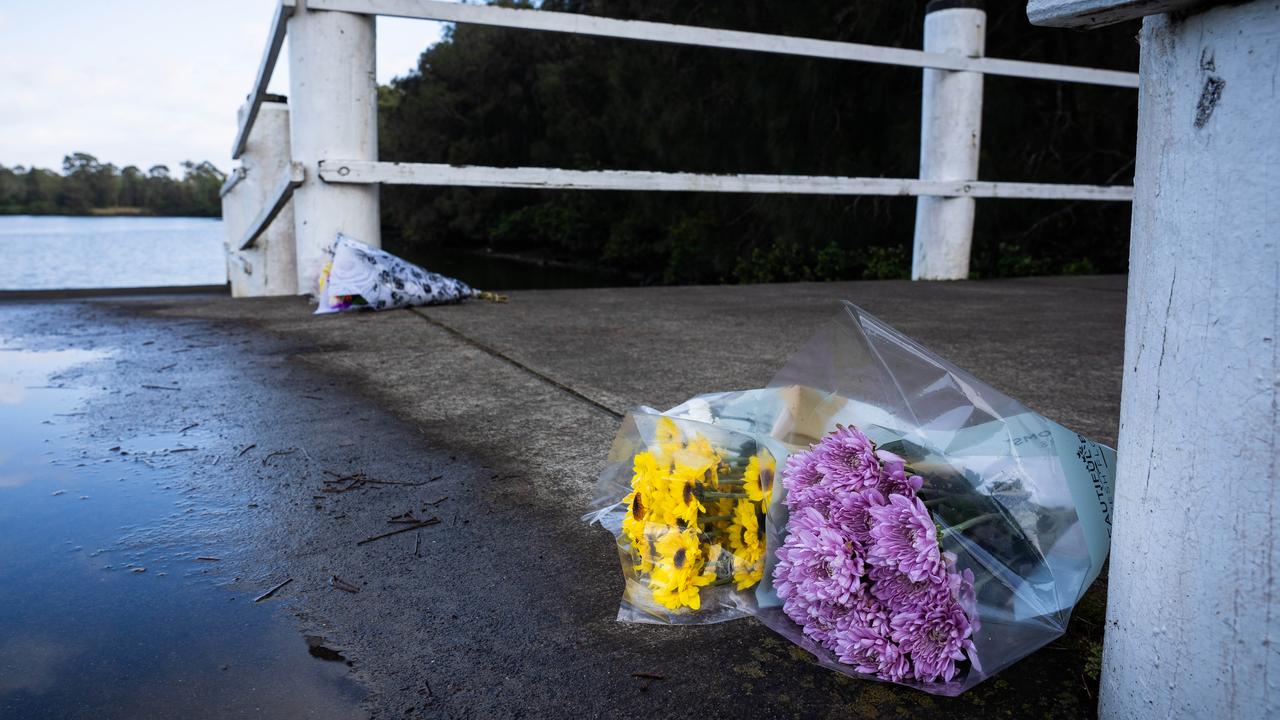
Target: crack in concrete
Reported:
[(490, 350)]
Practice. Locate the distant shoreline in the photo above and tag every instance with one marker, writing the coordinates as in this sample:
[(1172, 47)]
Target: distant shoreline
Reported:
[(104, 212)]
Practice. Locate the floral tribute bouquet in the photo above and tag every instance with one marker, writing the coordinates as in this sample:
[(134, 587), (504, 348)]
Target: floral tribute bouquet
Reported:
[(926, 529), (363, 277), (862, 571), (691, 527)]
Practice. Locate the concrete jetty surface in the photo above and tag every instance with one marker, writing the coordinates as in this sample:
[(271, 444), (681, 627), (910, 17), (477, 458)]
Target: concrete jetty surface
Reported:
[(496, 419)]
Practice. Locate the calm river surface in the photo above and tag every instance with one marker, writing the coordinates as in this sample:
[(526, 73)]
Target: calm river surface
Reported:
[(56, 252)]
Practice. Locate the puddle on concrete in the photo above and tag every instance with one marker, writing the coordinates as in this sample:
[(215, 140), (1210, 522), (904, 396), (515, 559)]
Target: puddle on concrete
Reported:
[(105, 609)]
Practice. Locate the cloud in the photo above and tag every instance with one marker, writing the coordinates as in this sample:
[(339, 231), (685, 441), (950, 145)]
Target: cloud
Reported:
[(147, 82)]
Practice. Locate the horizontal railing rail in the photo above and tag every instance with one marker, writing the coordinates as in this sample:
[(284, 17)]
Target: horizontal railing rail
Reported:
[(266, 67), (577, 24), (396, 173), (666, 33), (293, 176)]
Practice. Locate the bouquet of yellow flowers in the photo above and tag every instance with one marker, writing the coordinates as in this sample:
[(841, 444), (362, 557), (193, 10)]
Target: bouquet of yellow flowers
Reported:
[(690, 526)]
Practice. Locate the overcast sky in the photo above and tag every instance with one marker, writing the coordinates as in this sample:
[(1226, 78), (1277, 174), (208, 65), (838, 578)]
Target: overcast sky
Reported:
[(143, 82)]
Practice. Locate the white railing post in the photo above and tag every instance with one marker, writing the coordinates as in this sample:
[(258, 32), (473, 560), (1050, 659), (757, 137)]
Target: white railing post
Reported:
[(1193, 596), (1195, 570), (333, 98), (950, 136), (268, 266)]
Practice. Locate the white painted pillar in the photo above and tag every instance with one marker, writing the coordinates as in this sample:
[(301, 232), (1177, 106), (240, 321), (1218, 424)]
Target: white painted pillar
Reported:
[(268, 267), (333, 97), (950, 135), (1193, 616)]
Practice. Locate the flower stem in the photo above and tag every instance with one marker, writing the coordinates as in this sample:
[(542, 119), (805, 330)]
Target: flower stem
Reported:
[(714, 494), (966, 525)]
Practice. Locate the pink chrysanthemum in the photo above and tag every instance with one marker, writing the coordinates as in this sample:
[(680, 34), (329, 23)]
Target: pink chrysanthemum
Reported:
[(894, 478), (850, 514), (902, 594), (870, 650), (817, 560), (904, 537), (847, 459), (936, 638), (800, 477)]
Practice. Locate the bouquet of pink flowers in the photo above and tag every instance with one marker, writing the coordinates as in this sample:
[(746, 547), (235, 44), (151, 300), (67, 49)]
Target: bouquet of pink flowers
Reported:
[(862, 571)]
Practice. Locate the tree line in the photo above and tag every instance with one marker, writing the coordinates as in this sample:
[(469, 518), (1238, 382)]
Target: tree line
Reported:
[(502, 97), (87, 186)]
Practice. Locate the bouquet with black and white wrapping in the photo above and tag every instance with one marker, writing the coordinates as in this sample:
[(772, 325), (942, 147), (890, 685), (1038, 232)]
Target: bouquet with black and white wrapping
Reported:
[(360, 276)]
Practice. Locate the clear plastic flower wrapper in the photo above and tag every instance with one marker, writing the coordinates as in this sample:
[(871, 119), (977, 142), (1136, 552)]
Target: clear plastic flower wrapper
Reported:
[(925, 528), (686, 501)]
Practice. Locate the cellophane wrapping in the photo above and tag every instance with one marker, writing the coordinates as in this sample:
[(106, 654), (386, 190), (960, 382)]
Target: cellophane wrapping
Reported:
[(1018, 505)]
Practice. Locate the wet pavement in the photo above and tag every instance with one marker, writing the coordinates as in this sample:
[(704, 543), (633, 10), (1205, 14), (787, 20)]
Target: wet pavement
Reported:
[(312, 434), (111, 601)]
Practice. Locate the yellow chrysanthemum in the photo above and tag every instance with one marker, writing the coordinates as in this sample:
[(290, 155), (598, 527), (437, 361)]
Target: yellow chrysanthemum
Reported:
[(744, 529), (682, 498), (758, 479), (678, 572), (668, 438), (633, 526), (748, 566), (699, 453), (653, 482)]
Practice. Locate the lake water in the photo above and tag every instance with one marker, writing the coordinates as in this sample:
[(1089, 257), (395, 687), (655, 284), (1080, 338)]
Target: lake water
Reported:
[(55, 252)]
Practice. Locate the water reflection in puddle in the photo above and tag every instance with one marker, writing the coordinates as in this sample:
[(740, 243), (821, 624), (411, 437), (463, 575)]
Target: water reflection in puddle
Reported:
[(106, 610)]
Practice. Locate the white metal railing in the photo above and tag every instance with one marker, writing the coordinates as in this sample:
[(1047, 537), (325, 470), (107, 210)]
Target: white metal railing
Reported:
[(950, 130), (395, 173)]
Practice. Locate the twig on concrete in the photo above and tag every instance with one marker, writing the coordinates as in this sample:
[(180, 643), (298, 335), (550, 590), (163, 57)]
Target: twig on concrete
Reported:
[(160, 387), (273, 453), (648, 676), (209, 558), (247, 449), (424, 523), (272, 591), (417, 546), (343, 585), (192, 425), (434, 503)]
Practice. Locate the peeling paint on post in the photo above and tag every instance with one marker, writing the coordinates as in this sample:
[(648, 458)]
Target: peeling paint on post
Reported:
[(950, 136), (333, 98)]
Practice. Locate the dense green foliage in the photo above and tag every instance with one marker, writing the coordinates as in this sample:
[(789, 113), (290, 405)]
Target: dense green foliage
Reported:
[(87, 186), (509, 98)]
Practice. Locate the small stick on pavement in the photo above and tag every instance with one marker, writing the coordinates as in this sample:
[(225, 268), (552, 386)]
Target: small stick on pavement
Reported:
[(192, 425), (272, 591), (422, 524), (434, 503), (648, 676), (209, 558), (273, 453), (247, 449), (160, 387), (417, 546), (343, 585)]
